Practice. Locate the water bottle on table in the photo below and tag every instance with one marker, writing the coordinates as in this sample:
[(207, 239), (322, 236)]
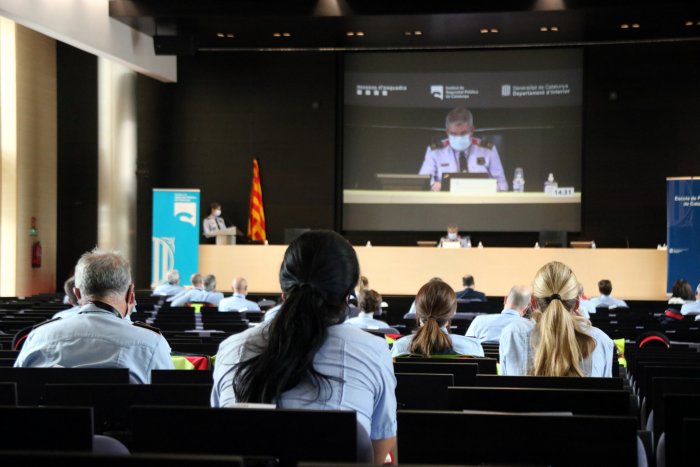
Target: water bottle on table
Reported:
[(550, 184), (518, 180)]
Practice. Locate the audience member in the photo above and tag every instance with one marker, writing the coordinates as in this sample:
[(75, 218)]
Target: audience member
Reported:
[(487, 328), (436, 305), (469, 293), (99, 336), (306, 357), (692, 308), (238, 302), (195, 280), (605, 299), (172, 285), (681, 294), (557, 341), (411, 314), (68, 287), (204, 295), (585, 307), (370, 304)]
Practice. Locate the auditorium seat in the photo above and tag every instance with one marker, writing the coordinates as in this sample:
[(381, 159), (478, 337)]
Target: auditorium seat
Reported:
[(420, 391), (464, 373), (84, 459), (487, 366), (8, 394), (46, 428), (670, 449), (182, 377), (554, 382)]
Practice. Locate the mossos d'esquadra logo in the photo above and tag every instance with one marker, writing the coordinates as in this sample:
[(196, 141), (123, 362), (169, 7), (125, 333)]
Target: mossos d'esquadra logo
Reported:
[(186, 212), (163, 257)]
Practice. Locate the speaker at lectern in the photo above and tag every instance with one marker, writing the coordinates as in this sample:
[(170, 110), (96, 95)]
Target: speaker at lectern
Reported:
[(227, 236)]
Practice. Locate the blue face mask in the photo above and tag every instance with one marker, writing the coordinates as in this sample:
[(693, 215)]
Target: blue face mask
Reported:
[(460, 142)]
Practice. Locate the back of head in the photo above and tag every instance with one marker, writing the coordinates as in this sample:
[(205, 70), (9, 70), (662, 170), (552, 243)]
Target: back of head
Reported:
[(468, 281), (239, 285), (100, 274), (682, 289), (173, 277), (68, 287), (371, 301), (518, 297), (318, 272), (209, 282), (605, 287), (436, 305), (196, 280), (561, 338)]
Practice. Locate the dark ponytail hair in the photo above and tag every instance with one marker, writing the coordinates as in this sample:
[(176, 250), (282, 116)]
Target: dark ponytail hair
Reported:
[(318, 272)]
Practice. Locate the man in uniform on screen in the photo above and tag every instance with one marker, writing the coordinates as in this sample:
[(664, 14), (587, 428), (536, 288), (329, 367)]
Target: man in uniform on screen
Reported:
[(461, 152)]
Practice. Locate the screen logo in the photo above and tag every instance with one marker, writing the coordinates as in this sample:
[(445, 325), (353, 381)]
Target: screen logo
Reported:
[(186, 212), (437, 91), (505, 90)]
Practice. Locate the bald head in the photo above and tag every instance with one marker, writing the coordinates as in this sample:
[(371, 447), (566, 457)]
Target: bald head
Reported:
[(240, 285), (518, 298)]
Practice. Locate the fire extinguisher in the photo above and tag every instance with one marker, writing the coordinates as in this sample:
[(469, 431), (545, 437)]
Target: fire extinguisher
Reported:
[(36, 255)]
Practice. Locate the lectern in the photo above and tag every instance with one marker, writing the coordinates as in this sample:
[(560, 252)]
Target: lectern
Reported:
[(227, 236)]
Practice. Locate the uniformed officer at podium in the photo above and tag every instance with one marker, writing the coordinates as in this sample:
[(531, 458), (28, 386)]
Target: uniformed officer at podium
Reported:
[(212, 224), (461, 152)]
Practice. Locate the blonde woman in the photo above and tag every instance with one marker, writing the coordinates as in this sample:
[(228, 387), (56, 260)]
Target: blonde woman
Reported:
[(558, 341), (436, 305)]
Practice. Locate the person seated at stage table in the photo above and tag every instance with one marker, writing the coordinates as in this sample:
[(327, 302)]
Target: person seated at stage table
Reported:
[(681, 294), (453, 237), (172, 285), (237, 301), (605, 299), (212, 223), (557, 341), (487, 328), (436, 305), (469, 293), (207, 294), (68, 287), (307, 357), (692, 308), (371, 303)]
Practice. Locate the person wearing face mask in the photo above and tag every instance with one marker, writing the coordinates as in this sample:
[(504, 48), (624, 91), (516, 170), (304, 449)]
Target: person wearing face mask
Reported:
[(100, 335), (212, 223), (454, 237), (461, 152)]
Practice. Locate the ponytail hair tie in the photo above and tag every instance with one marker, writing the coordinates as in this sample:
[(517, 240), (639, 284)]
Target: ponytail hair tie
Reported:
[(554, 296)]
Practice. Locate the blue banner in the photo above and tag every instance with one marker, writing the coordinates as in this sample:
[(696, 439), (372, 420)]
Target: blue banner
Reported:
[(175, 234), (683, 236)]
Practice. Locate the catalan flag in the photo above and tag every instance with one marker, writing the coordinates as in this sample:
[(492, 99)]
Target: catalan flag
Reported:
[(256, 218)]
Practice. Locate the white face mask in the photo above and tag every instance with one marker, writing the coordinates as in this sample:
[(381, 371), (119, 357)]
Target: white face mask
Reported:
[(217, 212), (460, 142), (452, 236)]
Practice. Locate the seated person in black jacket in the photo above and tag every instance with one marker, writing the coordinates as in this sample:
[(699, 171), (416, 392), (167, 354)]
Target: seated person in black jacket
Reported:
[(469, 293)]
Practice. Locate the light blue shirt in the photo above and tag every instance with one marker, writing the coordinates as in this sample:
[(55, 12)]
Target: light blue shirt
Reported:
[(197, 295), (359, 362), (460, 344), (692, 308), (237, 302), (480, 159), (586, 308), (96, 338), (168, 289), (272, 312), (487, 328), (517, 350), (66, 313), (366, 321), (607, 300)]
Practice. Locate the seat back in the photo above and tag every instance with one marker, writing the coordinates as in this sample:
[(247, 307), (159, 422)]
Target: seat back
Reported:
[(182, 377), (46, 428), (487, 366), (677, 408), (554, 382), (464, 373), (416, 391)]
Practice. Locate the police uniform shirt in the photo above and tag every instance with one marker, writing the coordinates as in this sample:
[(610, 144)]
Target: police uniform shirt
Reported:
[(692, 308), (237, 302), (272, 312), (66, 313), (586, 308), (168, 289), (460, 344), (211, 224), (96, 338), (609, 301), (463, 241), (359, 364), (366, 321), (481, 158), (197, 295), (517, 350), (487, 328)]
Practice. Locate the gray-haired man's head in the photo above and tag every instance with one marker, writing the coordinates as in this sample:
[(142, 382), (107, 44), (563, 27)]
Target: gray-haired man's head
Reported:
[(101, 274)]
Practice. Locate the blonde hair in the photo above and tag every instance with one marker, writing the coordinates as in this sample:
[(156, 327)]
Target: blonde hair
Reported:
[(561, 338), (436, 304)]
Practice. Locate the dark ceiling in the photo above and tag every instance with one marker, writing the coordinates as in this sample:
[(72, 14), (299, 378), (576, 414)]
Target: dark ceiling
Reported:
[(183, 27)]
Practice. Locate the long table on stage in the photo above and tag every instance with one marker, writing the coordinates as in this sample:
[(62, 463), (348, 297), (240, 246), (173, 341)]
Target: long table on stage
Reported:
[(636, 274)]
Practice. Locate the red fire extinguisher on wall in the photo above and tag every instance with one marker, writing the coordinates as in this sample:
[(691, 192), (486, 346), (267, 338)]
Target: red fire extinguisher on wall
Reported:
[(36, 255)]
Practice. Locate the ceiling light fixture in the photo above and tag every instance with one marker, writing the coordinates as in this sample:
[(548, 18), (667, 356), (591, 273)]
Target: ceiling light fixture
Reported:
[(219, 34), (624, 26), (495, 30), (417, 33), (554, 28)]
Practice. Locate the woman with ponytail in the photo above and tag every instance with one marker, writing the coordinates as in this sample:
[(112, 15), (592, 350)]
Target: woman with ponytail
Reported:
[(436, 305), (306, 357), (558, 341)]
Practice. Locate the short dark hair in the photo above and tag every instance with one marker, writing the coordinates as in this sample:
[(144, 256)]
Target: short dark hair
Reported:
[(215, 205), (468, 281), (371, 301), (682, 289), (605, 287)]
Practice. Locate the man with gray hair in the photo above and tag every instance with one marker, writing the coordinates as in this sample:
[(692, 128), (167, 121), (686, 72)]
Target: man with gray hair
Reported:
[(206, 295), (171, 287), (238, 302), (487, 328), (462, 152), (99, 336), (693, 308)]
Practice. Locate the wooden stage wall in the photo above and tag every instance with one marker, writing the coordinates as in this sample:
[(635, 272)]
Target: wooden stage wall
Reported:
[(636, 274)]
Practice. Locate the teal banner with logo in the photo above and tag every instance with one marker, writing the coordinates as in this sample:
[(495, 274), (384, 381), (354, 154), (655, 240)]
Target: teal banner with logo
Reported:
[(683, 214), (175, 241)]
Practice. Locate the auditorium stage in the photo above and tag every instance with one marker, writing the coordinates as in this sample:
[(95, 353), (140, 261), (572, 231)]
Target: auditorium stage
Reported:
[(636, 274)]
